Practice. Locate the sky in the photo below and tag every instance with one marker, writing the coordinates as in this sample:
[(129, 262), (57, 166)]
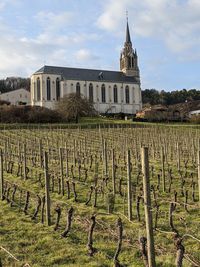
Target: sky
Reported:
[(91, 34)]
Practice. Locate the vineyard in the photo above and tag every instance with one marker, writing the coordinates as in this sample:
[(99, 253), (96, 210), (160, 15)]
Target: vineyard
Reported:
[(114, 195)]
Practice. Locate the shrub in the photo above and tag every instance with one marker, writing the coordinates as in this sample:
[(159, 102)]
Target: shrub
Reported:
[(28, 114), (4, 102), (195, 119)]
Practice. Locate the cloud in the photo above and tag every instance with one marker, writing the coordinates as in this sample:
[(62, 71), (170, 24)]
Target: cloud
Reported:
[(5, 3), (51, 21), (57, 27), (20, 58), (114, 12), (52, 43), (176, 23), (85, 55), (2, 5), (45, 38), (23, 55)]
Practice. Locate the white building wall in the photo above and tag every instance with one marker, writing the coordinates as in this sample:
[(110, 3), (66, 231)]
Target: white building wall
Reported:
[(43, 86), (17, 96), (194, 113), (69, 86)]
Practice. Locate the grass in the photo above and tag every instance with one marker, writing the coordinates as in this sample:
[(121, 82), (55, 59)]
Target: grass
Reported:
[(94, 122), (84, 121), (39, 245), (34, 243)]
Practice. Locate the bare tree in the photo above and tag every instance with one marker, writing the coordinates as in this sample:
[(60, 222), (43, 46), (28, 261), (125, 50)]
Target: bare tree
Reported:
[(73, 106)]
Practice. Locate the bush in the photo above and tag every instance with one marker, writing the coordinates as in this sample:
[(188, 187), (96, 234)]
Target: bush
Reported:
[(156, 117), (4, 102), (195, 119), (28, 114), (43, 115)]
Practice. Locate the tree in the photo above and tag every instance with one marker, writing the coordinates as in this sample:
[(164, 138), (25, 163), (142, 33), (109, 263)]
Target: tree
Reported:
[(13, 83), (73, 106), (150, 96), (154, 97)]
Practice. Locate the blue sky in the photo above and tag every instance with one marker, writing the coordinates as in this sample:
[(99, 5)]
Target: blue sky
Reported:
[(91, 34)]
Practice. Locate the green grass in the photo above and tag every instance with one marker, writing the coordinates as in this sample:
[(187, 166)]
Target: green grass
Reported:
[(95, 122), (40, 245)]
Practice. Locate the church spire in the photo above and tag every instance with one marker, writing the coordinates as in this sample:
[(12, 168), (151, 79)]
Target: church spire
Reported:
[(128, 57), (128, 37)]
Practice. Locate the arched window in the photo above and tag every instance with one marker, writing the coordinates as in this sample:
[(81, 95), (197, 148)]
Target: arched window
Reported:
[(115, 94), (127, 96), (57, 89), (129, 62), (48, 89), (91, 97), (78, 89), (103, 93), (133, 95), (132, 62), (34, 90), (38, 90)]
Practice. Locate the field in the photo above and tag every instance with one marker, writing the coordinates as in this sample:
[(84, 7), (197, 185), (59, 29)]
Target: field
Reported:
[(74, 196)]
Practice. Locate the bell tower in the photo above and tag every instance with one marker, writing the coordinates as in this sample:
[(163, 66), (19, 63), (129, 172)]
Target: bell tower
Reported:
[(129, 58)]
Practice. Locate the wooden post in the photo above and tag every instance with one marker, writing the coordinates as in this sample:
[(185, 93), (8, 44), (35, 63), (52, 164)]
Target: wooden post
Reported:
[(96, 172), (1, 175), (40, 152), (105, 158), (113, 172), (67, 161), (47, 185), (74, 153), (19, 151), (85, 144), (5, 155), (178, 157), (163, 168), (198, 163), (147, 206), (61, 172), (129, 195), (24, 166)]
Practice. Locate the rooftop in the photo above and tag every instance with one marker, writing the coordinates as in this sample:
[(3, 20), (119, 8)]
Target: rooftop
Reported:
[(87, 74)]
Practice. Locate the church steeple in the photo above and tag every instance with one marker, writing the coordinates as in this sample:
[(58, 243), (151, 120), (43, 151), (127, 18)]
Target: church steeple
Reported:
[(128, 37), (128, 58)]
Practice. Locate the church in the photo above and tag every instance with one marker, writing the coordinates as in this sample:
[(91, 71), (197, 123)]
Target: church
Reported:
[(111, 92)]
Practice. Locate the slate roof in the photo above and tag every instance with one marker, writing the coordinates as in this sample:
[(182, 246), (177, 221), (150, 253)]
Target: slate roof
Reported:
[(87, 74)]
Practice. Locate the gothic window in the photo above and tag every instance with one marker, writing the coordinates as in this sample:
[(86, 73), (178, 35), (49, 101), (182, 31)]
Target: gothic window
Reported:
[(34, 92), (38, 90), (127, 96), (115, 94), (129, 62), (48, 89), (57, 89), (103, 93), (132, 62), (78, 89), (133, 95), (91, 97)]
